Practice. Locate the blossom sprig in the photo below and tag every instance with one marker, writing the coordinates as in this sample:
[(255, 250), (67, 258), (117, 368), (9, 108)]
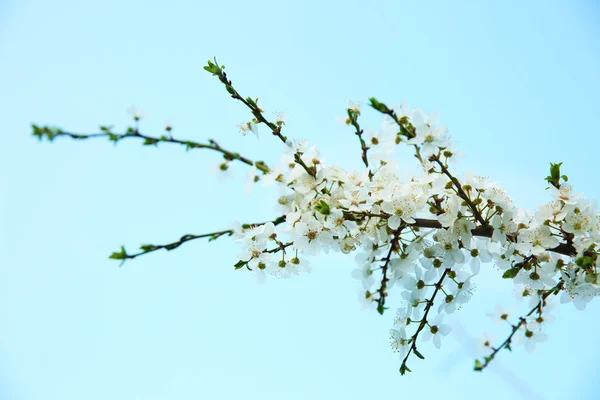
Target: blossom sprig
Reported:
[(538, 309), (424, 236), (423, 323), (257, 112), (353, 111)]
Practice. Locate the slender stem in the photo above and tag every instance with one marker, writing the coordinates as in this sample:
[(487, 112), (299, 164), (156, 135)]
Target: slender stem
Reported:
[(479, 366), (423, 323), (384, 269), (461, 193), (353, 118), (51, 133), (149, 248), (257, 112)]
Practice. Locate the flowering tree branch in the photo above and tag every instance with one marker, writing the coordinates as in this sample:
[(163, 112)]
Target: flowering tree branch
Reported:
[(539, 307), (425, 235)]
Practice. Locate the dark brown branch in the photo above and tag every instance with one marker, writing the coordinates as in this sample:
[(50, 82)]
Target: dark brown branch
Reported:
[(480, 231)]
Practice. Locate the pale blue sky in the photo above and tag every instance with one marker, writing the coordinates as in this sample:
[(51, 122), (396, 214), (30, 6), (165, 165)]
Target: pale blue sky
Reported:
[(517, 84)]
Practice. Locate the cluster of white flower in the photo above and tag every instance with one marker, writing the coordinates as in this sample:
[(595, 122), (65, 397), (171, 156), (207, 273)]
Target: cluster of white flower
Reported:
[(425, 235)]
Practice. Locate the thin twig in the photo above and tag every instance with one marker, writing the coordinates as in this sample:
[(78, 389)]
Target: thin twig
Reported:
[(51, 133)]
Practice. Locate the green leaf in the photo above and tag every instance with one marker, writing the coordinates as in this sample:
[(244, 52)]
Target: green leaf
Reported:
[(122, 255), (190, 145), (554, 177), (478, 366), (555, 170), (44, 131), (587, 261), (213, 68), (240, 264), (511, 272), (151, 141), (378, 105), (323, 208), (418, 354), (404, 369), (147, 247), (37, 131)]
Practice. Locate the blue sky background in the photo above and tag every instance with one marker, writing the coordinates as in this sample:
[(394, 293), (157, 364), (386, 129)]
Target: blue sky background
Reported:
[(517, 84)]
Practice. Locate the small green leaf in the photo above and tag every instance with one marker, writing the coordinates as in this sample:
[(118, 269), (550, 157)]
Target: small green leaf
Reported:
[(44, 131), (555, 170), (240, 264), (189, 145), (378, 105), (213, 68), (151, 141), (554, 177), (511, 273), (478, 366), (120, 255), (418, 354), (404, 369), (323, 208), (147, 247)]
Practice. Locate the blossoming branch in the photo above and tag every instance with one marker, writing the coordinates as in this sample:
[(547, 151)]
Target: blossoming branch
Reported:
[(424, 236)]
